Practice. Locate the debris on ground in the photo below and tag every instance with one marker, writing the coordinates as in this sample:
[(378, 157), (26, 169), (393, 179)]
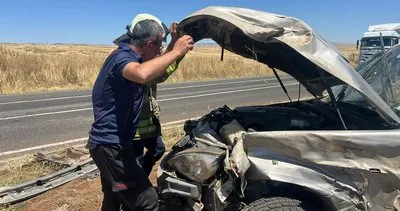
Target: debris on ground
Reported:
[(64, 157), (28, 167)]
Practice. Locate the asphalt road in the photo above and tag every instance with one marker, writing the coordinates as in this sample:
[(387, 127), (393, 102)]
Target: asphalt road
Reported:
[(46, 118)]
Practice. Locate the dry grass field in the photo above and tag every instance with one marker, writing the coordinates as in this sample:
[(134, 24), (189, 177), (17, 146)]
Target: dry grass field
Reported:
[(30, 68), (34, 67), (350, 52)]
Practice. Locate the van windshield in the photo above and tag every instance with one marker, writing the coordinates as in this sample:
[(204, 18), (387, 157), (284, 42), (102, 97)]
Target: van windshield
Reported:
[(375, 41)]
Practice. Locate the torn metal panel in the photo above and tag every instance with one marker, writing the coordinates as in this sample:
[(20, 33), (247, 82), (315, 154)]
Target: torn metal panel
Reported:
[(271, 168), (365, 150), (232, 133), (366, 161), (207, 136)]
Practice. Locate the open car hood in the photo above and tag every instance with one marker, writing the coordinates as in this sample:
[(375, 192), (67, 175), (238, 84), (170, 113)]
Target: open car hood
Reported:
[(285, 43)]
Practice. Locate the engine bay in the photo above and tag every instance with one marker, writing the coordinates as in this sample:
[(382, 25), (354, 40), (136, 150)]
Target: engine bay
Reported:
[(310, 115), (212, 157)]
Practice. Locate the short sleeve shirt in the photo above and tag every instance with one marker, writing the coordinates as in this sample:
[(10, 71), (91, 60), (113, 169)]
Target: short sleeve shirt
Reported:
[(116, 101)]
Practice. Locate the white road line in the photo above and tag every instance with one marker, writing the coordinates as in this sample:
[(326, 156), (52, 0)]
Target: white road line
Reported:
[(215, 90), (160, 89), (76, 140), (219, 93), (43, 114), (161, 100), (42, 146), (46, 99), (216, 84)]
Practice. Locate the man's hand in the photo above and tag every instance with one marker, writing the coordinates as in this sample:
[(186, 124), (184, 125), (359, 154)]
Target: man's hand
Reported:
[(173, 31), (174, 36), (183, 45)]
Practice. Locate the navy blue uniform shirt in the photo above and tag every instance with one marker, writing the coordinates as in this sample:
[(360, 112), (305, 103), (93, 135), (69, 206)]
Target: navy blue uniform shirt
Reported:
[(116, 101)]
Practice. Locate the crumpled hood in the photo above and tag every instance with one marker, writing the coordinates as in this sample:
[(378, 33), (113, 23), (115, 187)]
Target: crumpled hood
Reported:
[(285, 43)]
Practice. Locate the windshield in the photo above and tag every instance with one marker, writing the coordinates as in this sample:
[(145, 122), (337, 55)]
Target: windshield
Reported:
[(375, 74), (376, 41)]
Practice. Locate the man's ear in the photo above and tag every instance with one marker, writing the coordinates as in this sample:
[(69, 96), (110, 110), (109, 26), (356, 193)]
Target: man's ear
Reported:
[(148, 43)]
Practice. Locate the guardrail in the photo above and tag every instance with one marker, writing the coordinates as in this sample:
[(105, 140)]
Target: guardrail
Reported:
[(26, 190)]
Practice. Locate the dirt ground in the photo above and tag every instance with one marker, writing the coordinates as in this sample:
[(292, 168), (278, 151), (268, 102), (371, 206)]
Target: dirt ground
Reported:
[(80, 194)]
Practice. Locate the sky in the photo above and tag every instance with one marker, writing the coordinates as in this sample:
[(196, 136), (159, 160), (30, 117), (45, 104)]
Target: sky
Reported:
[(100, 21)]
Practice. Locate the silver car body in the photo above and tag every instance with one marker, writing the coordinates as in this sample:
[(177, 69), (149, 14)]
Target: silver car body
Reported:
[(350, 169)]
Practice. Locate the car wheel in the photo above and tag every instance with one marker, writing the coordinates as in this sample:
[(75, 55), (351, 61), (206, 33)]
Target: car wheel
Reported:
[(279, 203)]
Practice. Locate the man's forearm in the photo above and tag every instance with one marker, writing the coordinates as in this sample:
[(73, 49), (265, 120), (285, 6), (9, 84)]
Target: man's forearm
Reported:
[(157, 66), (171, 69), (149, 70)]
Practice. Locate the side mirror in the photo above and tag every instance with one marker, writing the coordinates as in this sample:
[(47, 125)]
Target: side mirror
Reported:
[(358, 42)]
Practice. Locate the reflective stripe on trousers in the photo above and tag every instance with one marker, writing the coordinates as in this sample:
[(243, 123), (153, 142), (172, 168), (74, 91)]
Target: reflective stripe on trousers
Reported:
[(146, 128)]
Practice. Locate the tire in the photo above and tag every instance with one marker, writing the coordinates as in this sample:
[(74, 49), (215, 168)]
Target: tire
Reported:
[(278, 204)]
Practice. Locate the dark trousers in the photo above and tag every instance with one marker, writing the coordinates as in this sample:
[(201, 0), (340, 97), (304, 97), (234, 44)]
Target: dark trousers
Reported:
[(155, 150), (123, 181)]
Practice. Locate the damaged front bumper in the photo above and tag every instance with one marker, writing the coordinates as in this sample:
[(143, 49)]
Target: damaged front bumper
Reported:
[(169, 185)]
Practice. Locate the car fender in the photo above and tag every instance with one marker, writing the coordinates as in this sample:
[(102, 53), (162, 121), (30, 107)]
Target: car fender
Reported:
[(340, 195)]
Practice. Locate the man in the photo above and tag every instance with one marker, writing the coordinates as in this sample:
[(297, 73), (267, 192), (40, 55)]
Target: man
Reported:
[(148, 133), (117, 99)]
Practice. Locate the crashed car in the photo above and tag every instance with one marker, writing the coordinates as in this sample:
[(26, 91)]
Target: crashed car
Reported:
[(339, 150)]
